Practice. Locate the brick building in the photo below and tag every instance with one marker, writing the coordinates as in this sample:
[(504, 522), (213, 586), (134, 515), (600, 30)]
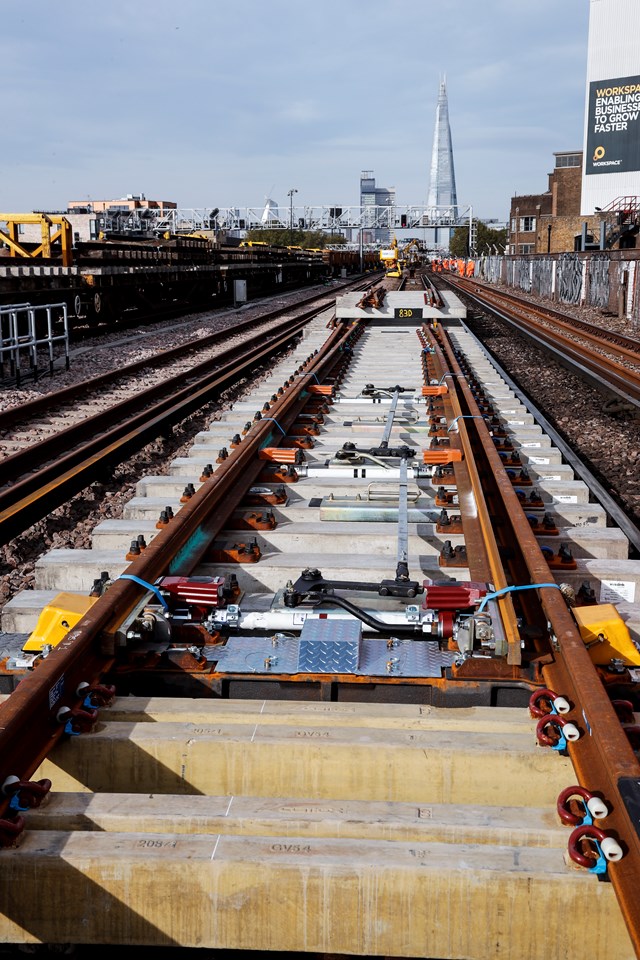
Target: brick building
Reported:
[(132, 201), (550, 222)]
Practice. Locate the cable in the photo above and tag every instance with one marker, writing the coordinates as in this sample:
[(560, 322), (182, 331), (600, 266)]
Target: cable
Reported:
[(149, 586), (379, 625), (500, 593)]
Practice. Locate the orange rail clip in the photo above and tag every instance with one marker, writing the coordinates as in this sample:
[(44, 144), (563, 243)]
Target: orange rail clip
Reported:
[(436, 391), (323, 389), (441, 456), (281, 454)]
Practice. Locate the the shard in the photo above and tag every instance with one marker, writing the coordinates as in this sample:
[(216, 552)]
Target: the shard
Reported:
[(442, 183)]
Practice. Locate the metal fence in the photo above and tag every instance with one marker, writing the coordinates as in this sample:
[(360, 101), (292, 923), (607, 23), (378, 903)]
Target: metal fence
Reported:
[(28, 339), (599, 280)]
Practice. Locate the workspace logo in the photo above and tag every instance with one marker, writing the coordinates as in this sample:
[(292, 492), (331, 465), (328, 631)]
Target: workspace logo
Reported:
[(598, 154), (613, 126)]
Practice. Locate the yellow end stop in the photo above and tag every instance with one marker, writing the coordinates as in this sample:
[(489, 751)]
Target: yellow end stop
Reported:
[(606, 635), (56, 619)]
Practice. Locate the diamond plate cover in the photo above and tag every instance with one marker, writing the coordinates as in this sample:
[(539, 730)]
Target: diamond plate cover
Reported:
[(329, 646), (407, 658)]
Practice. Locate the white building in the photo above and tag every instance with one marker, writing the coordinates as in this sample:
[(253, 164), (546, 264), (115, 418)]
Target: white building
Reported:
[(611, 171)]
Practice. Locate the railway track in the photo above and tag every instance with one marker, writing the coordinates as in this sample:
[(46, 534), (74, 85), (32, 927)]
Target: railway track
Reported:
[(610, 359), (361, 666), (64, 441)]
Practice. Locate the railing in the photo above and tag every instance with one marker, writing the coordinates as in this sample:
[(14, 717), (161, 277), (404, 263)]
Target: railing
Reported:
[(331, 218), (25, 331), (626, 205)]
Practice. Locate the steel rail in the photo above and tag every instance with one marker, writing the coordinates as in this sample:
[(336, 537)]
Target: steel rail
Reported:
[(481, 537), (15, 415), (618, 342), (38, 454), (603, 755), (613, 509), (620, 380), (53, 481), (28, 717)]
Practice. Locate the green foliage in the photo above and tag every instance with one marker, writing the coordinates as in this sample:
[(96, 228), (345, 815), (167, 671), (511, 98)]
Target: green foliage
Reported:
[(487, 240), (309, 239)]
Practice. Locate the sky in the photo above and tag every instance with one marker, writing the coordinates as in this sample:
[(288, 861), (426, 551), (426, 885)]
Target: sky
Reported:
[(225, 102)]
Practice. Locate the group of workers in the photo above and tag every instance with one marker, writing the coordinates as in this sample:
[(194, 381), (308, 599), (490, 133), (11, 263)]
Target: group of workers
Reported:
[(464, 268)]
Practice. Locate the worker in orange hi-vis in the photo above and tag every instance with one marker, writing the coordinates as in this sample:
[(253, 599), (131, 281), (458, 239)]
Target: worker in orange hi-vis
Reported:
[(470, 266), (461, 267)]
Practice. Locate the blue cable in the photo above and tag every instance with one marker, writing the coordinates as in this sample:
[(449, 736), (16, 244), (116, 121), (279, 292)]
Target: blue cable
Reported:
[(283, 432), (500, 593), (149, 586)]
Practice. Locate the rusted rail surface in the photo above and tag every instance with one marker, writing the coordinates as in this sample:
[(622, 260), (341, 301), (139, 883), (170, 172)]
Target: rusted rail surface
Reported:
[(82, 451), (45, 474), (29, 724), (614, 361), (603, 756), (626, 347), (50, 402)]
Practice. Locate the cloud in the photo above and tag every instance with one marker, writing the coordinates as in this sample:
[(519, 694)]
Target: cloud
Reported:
[(248, 94), (300, 111)]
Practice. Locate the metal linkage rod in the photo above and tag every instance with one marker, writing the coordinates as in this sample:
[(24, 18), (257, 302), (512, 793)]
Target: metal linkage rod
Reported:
[(390, 418), (402, 569)]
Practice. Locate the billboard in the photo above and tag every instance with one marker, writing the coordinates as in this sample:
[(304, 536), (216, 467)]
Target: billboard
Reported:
[(613, 126)]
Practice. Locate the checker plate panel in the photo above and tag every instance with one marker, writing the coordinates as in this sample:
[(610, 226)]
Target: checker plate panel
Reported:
[(409, 658)]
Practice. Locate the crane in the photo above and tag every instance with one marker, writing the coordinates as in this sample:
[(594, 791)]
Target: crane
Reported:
[(394, 258)]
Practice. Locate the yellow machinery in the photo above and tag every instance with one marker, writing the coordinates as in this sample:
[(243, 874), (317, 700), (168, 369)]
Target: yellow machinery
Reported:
[(390, 257), (606, 635), (394, 258), (57, 618), (44, 250)]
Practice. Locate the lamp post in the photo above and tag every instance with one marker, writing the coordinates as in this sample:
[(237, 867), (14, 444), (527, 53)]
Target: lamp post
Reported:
[(290, 195)]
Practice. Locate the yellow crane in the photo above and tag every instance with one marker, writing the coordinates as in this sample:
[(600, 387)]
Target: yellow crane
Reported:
[(395, 258), (390, 257)]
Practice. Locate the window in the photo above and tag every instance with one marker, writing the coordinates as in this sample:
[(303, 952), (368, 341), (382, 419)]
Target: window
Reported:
[(526, 248), (527, 224), (569, 160), (513, 224)]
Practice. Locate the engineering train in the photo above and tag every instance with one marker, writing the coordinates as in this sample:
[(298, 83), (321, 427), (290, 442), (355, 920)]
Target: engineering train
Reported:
[(102, 282)]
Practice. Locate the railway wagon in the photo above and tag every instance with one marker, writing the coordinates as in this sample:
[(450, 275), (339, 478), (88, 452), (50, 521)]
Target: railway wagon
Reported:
[(338, 259), (103, 281)]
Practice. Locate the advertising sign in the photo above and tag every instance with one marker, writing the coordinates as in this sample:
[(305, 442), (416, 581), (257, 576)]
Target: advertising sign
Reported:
[(613, 126)]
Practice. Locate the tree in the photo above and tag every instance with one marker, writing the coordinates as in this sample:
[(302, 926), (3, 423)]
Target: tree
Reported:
[(309, 239), (487, 241)]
